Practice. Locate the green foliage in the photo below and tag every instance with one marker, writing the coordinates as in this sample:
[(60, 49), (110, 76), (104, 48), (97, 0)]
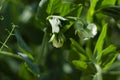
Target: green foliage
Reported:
[(110, 2), (59, 39), (22, 45), (77, 46), (100, 42), (112, 11), (79, 64)]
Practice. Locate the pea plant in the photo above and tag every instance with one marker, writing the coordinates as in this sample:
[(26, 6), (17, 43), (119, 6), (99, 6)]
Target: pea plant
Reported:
[(60, 39)]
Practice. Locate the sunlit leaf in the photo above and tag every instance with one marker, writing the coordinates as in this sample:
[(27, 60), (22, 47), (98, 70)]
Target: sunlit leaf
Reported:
[(100, 42), (91, 10), (108, 50), (53, 6), (110, 2), (66, 9), (79, 64)]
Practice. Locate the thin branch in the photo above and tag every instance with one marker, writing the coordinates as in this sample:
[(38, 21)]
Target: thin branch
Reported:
[(10, 54), (10, 34)]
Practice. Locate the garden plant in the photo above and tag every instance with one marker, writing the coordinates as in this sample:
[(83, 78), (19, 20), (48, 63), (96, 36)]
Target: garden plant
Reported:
[(59, 39)]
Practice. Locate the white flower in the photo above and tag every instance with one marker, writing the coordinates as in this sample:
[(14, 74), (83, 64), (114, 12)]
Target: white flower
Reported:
[(55, 23), (57, 40), (86, 33), (90, 31), (93, 29)]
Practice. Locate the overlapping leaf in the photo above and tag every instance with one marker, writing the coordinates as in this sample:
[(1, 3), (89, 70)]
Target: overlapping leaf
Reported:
[(22, 45), (100, 42), (112, 11), (32, 67)]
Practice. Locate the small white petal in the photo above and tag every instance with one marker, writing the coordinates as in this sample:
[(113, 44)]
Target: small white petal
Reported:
[(89, 32), (92, 27), (58, 17), (55, 23)]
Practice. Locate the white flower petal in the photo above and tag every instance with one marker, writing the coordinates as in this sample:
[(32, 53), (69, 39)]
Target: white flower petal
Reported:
[(93, 29), (55, 23), (89, 32), (58, 17)]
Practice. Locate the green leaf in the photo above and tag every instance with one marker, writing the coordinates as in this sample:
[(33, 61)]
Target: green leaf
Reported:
[(109, 61), (115, 65), (72, 56), (26, 75), (22, 45), (91, 10), (77, 46), (67, 9), (100, 42), (53, 6), (80, 64), (43, 50), (108, 50), (63, 8), (81, 55), (112, 11), (32, 67), (67, 26), (88, 49), (41, 14), (110, 2)]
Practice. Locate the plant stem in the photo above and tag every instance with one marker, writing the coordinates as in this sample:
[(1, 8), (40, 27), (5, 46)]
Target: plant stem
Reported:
[(10, 54), (13, 27), (43, 51), (98, 75)]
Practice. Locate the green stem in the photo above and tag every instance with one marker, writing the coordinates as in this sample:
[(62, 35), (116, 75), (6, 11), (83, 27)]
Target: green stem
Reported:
[(43, 51), (98, 75), (13, 27), (10, 54)]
